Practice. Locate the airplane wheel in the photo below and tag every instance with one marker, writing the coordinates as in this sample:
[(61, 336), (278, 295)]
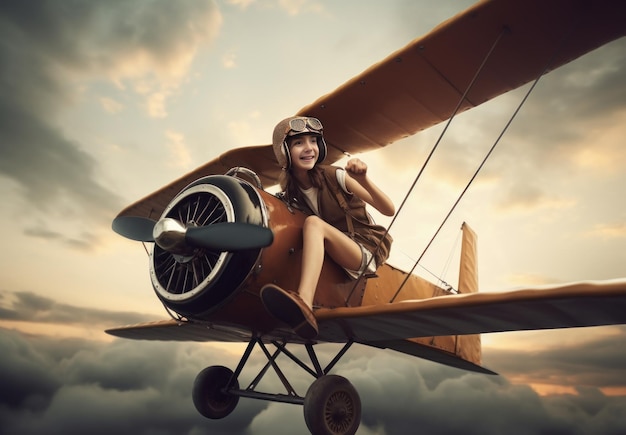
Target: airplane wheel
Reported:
[(332, 406), (207, 395)]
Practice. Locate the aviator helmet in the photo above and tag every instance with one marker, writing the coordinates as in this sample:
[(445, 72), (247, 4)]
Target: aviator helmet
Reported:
[(294, 126)]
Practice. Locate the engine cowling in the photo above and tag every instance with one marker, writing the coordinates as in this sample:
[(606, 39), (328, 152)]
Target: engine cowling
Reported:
[(197, 282)]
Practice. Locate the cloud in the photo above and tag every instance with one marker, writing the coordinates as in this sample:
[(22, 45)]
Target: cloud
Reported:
[(242, 4), (139, 387), (296, 7), (83, 241), (74, 387), (527, 197), (571, 122), (400, 394), (569, 116), (30, 307), (229, 61), (49, 167), (599, 363), (178, 149), (143, 387), (110, 105), (609, 230), (50, 52)]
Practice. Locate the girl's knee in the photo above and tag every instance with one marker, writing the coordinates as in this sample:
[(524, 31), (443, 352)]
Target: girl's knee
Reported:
[(313, 223)]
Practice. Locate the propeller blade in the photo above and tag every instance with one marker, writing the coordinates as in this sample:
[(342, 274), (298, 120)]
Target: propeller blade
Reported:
[(134, 228), (230, 236)]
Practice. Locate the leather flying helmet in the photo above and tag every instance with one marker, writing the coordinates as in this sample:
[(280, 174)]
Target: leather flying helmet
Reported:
[(294, 126)]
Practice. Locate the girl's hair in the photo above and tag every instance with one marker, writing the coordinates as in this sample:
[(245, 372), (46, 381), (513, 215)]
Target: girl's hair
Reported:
[(290, 186)]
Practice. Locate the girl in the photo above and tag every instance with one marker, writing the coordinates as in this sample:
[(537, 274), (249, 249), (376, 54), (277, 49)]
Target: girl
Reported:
[(338, 223)]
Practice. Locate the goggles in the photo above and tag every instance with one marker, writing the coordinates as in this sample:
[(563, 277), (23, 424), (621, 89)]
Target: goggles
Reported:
[(304, 125)]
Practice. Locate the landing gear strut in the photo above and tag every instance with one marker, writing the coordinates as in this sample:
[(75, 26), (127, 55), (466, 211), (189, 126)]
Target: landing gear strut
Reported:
[(331, 404)]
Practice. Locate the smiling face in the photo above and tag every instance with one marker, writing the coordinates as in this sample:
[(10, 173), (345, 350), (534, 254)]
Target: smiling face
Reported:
[(304, 152)]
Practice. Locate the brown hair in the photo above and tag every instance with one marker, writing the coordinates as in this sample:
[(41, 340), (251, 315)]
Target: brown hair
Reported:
[(289, 184)]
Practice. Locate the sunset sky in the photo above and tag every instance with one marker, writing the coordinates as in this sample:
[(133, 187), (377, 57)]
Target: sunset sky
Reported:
[(105, 102)]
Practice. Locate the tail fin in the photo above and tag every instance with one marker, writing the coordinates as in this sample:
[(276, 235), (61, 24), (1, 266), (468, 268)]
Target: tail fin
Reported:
[(461, 351), (468, 270), (468, 347)]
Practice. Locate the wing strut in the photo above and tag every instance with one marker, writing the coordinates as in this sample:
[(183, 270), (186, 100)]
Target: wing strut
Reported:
[(506, 127)]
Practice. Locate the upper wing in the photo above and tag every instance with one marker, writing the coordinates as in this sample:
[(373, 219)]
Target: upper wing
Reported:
[(421, 84), (259, 158), (567, 306)]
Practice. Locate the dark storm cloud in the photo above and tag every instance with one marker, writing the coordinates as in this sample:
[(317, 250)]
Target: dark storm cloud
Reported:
[(589, 89), (400, 394), (601, 363), (46, 44), (71, 386), (76, 386), (556, 123), (568, 102), (55, 386), (45, 164), (30, 307)]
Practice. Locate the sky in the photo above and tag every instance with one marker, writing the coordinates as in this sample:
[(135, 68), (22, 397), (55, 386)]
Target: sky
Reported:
[(102, 103)]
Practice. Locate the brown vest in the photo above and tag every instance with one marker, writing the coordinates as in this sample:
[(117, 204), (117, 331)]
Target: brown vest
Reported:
[(348, 214)]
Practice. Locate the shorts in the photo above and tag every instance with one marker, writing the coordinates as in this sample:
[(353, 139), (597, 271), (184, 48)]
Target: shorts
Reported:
[(368, 265)]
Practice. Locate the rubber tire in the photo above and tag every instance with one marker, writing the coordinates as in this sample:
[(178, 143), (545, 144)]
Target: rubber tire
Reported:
[(332, 406), (207, 394)]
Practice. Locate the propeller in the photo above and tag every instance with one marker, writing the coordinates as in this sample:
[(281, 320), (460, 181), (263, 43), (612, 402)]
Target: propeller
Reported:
[(230, 236), (172, 236), (134, 228)]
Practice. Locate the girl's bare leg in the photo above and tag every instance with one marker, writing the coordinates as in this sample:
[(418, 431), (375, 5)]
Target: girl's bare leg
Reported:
[(320, 237)]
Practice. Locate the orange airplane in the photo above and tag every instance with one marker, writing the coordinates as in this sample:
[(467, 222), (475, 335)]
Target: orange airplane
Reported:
[(219, 236)]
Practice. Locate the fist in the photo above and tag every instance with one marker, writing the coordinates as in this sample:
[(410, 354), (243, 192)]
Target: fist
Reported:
[(356, 167)]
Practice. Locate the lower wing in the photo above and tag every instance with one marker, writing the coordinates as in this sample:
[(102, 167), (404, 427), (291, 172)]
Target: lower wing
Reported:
[(569, 306)]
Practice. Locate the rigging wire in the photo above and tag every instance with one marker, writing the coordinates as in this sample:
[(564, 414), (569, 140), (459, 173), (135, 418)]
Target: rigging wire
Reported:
[(446, 267), (432, 151), (145, 248), (430, 272), (509, 122)]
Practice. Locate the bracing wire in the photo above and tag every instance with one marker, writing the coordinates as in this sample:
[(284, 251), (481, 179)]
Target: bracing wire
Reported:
[(432, 151), (435, 277), (509, 122), (446, 267)]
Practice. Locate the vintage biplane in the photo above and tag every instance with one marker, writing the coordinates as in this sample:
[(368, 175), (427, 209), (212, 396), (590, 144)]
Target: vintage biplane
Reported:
[(219, 236)]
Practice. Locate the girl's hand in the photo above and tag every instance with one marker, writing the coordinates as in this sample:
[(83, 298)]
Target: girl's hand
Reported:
[(359, 183), (356, 167)]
